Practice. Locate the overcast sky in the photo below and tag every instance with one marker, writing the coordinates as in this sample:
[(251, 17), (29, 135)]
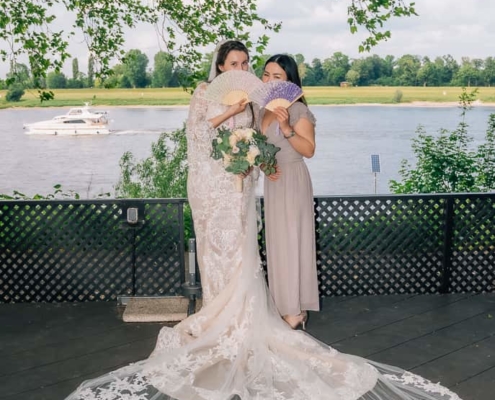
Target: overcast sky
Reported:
[(318, 28)]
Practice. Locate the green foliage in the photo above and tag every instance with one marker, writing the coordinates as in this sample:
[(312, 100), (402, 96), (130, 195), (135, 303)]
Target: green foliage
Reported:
[(161, 175), (397, 96), (31, 28), (240, 149), (57, 194), (162, 70), (486, 158), (446, 163), (56, 80), (14, 93), (372, 15), (134, 68)]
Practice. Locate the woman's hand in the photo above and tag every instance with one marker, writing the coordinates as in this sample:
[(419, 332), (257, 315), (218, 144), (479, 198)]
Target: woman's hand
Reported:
[(238, 107), (272, 177), (234, 109), (282, 115)]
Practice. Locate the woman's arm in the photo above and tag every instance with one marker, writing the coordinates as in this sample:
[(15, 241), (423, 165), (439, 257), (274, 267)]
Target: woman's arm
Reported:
[(231, 111), (301, 136)]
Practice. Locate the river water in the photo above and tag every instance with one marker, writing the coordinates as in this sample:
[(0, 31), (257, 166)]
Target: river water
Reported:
[(346, 138)]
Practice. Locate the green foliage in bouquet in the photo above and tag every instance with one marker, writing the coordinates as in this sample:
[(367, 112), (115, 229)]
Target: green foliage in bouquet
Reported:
[(243, 148)]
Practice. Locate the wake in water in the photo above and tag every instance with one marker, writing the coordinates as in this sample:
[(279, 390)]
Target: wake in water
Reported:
[(134, 131)]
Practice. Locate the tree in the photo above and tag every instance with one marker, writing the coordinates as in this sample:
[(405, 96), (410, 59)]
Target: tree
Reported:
[(162, 175), (318, 74), (91, 71), (15, 92), (407, 69), (19, 74), (29, 28), (115, 78), (336, 67), (76, 82), (372, 14), (352, 77), (56, 80), (363, 71), (162, 70), (135, 64), (488, 74), (446, 163), (450, 68), (428, 73), (486, 158), (75, 69), (469, 73)]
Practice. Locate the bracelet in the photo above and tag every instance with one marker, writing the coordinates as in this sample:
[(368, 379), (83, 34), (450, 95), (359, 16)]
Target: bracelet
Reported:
[(291, 134)]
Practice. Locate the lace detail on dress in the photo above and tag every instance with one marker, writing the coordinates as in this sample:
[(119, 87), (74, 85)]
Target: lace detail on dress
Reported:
[(416, 381), (219, 211)]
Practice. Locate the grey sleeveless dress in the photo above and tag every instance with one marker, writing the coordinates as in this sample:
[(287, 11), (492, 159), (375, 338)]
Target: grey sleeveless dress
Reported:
[(289, 223)]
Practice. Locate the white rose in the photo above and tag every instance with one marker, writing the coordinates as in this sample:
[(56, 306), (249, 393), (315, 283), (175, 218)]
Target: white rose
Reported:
[(250, 134), (235, 149), (252, 154), (226, 160), (233, 139), (250, 159), (254, 150), (246, 133)]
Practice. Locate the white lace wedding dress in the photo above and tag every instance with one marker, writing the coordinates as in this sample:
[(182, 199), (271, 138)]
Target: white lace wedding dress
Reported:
[(238, 344)]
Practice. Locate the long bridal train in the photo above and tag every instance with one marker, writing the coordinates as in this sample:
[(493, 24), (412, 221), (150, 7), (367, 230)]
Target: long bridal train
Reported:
[(238, 344)]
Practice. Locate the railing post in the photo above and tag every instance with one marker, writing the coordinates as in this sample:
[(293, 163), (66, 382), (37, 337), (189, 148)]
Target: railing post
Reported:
[(191, 288), (447, 244)]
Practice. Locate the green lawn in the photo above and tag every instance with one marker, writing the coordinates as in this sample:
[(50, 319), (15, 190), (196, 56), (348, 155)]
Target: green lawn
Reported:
[(177, 96)]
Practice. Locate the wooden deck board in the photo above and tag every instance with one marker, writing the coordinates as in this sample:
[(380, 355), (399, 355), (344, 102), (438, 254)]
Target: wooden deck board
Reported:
[(48, 349)]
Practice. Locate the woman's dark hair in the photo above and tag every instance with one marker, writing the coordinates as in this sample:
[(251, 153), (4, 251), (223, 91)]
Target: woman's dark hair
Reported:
[(289, 65), (224, 51)]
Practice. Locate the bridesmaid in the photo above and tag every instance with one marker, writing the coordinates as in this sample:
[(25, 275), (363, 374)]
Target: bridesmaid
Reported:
[(289, 209)]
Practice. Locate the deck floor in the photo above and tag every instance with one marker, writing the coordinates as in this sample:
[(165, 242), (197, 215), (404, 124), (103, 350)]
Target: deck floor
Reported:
[(46, 350)]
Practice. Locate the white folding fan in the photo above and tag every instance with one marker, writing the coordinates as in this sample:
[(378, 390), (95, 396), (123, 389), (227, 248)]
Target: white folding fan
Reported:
[(275, 94), (230, 87)]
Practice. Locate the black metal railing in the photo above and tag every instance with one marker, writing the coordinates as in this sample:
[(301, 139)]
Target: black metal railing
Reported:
[(405, 244), (89, 250)]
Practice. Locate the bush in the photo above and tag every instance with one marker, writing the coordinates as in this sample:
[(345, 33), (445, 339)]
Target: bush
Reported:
[(446, 162), (162, 175), (15, 93), (397, 96)]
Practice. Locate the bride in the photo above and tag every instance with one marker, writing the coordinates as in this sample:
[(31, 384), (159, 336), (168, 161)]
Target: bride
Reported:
[(238, 345)]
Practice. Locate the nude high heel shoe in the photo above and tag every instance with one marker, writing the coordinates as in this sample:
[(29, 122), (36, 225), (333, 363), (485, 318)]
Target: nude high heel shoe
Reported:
[(295, 320)]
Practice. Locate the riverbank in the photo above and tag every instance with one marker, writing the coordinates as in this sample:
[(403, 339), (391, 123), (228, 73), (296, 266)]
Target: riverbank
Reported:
[(332, 96)]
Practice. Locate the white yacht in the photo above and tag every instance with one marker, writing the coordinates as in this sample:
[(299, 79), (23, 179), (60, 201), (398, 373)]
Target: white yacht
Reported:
[(77, 121)]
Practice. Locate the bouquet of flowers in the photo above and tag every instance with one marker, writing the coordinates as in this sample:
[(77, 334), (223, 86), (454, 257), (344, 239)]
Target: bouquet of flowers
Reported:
[(242, 148)]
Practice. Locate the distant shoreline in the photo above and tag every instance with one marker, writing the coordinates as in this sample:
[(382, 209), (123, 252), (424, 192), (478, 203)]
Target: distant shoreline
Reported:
[(410, 104), (430, 104), (328, 96)]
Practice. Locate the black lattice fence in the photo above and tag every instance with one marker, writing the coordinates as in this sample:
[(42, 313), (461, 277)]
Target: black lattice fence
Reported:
[(472, 251), (405, 244), (86, 250)]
